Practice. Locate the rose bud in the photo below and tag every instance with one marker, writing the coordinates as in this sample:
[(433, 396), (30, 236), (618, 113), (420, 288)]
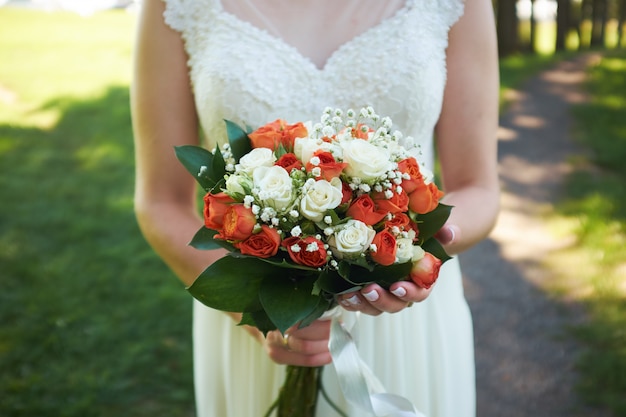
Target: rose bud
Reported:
[(277, 133), (425, 268), (307, 251), (215, 206), (425, 199), (386, 247), (262, 245), (239, 223), (289, 161), (364, 210), (327, 164), (409, 166)]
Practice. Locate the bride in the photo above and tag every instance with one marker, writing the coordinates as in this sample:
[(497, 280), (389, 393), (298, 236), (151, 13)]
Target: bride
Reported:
[(430, 65)]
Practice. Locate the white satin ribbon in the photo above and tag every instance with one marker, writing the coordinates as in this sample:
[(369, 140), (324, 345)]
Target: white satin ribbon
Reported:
[(360, 386)]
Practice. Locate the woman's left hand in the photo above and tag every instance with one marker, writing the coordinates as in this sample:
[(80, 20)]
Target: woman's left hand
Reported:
[(374, 300)]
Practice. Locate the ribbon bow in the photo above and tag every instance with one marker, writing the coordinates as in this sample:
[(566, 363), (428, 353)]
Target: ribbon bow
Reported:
[(360, 386)]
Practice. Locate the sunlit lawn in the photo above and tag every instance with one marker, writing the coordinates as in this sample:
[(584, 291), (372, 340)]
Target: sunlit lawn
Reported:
[(594, 269), (92, 323)]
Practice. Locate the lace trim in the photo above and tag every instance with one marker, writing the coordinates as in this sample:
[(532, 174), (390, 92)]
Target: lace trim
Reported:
[(247, 75)]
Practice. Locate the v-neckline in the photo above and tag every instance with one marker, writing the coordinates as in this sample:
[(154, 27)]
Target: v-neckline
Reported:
[(305, 58)]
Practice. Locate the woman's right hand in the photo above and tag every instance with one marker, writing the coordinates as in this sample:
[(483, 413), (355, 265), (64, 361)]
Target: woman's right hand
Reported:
[(307, 346)]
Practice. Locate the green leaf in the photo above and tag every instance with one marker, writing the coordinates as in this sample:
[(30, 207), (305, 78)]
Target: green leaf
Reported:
[(238, 140), (331, 282), (280, 151), (204, 240), (308, 227), (322, 306), (433, 246), (287, 298), (232, 284), (195, 157), (430, 223), (381, 275), (344, 269), (218, 169), (387, 275), (258, 319)]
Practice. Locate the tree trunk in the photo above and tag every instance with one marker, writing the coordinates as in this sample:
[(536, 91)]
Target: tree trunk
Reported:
[(533, 28), (563, 23), (507, 27), (598, 20)]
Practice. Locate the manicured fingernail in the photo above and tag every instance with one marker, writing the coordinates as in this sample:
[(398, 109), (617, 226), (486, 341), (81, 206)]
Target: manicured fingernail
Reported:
[(399, 292), (452, 234), (371, 296), (353, 301)]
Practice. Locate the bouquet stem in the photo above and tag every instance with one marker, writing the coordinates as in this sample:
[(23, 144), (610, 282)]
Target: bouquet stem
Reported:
[(298, 395)]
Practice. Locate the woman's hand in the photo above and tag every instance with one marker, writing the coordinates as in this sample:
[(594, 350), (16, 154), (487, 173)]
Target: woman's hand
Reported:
[(374, 300), (302, 347)]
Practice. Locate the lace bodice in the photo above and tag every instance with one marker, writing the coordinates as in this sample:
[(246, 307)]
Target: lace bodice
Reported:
[(248, 75)]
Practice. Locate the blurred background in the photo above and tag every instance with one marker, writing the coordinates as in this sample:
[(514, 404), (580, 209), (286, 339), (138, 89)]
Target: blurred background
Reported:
[(93, 324)]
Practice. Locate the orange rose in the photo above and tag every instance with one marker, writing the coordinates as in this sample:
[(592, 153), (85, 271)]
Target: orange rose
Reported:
[(238, 223), (424, 272), (359, 133), (329, 167), (425, 199), (262, 245), (308, 251), (410, 166), (278, 132), (215, 206), (385, 248), (399, 220), (289, 161), (364, 209), (346, 193), (398, 203)]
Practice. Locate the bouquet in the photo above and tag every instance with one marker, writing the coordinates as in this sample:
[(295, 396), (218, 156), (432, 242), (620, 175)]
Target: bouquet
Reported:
[(309, 211)]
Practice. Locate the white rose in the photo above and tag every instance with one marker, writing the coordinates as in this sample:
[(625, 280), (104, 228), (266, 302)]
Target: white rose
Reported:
[(418, 253), (365, 161), (320, 197), (353, 239), (304, 148), (274, 186), (257, 157), (427, 174), (235, 184), (404, 251)]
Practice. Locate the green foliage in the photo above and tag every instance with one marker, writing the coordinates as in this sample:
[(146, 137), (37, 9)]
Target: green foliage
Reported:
[(207, 168), (93, 323), (597, 200), (238, 140)]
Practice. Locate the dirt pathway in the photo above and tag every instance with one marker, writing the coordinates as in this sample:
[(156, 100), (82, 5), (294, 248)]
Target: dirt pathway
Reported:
[(524, 359)]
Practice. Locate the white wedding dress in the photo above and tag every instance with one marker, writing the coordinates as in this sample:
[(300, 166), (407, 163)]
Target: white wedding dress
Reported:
[(243, 69)]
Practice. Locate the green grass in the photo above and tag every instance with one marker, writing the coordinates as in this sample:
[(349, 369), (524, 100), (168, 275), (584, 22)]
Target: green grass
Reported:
[(93, 324), (595, 209)]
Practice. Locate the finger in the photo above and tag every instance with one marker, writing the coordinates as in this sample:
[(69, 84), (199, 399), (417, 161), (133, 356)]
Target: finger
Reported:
[(447, 234), (293, 351), (299, 359), (383, 300), (357, 302), (409, 292), (318, 330), (305, 346)]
